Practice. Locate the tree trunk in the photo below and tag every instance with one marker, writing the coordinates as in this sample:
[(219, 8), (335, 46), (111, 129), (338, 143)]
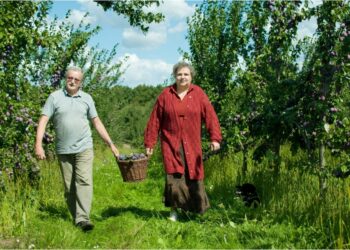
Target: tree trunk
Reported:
[(276, 155), (245, 163), (322, 164)]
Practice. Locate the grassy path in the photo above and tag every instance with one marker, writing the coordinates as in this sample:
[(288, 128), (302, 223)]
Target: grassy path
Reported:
[(131, 215)]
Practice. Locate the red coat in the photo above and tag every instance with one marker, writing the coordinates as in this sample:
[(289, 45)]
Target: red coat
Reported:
[(165, 122)]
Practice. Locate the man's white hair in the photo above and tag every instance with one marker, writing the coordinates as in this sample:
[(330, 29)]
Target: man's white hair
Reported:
[(74, 68)]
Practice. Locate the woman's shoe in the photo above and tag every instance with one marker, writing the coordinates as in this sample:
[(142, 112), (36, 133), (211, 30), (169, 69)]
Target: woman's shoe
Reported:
[(173, 216)]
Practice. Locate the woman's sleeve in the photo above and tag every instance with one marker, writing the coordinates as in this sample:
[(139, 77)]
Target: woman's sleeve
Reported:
[(153, 126), (211, 120)]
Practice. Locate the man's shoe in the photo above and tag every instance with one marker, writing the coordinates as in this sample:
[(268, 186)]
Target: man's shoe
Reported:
[(85, 225)]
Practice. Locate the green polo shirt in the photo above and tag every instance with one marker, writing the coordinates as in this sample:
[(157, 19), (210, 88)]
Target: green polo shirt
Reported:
[(70, 115)]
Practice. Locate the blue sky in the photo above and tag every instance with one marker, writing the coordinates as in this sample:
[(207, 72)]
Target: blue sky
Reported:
[(150, 56)]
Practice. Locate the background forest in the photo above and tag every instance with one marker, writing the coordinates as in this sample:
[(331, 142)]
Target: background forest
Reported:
[(283, 104)]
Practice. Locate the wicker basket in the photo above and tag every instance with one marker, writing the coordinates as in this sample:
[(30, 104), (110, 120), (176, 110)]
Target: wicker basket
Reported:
[(133, 170)]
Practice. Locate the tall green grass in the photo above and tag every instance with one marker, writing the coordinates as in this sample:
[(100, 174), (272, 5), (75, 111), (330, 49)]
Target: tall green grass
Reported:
[(131, 215), (290, 198)]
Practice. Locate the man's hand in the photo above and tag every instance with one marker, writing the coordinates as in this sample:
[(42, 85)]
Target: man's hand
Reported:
[(214, 146), (115, 150), (39, 152)]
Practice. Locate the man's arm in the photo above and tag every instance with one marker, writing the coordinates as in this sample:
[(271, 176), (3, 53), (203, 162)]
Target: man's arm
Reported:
[(104, 134), (39, 151)]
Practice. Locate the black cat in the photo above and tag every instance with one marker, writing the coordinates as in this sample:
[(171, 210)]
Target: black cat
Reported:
[(338, 173), (249, 195)]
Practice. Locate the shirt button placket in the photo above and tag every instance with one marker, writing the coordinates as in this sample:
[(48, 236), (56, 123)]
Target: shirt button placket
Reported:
[(186, 152)]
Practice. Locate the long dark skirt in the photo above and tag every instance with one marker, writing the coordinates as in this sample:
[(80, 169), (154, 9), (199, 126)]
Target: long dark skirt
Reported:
[(181, 192)]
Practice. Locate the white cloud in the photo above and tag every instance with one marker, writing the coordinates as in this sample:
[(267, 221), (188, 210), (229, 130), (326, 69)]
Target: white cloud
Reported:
[(145, 71), (77, 16), (314, 3), (307, 28), (176, 9), (172, 10), (134, 38), (102, 17), (178, 28), (175, 12)]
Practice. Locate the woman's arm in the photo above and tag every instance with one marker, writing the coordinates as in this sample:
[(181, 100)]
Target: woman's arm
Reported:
[(152, 129)]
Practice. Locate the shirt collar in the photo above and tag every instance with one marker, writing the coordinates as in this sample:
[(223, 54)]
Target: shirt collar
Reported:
[(173, 88), (78, 94)]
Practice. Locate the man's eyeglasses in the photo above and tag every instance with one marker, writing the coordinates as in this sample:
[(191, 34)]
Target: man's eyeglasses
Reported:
[(70, 78)]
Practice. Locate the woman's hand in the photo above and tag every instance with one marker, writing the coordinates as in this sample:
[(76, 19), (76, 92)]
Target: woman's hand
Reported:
[(149, 151), (214, 146)]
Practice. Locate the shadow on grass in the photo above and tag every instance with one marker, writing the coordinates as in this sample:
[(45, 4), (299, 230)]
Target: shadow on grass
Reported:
[(144, 213), (52, 210), (140, 212)]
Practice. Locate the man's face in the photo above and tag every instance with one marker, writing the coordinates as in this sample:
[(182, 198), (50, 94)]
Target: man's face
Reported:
[(183, 77), (73, 81)]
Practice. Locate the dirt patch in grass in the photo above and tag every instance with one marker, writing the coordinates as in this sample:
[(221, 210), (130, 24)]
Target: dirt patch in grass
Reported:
[(9, 243)]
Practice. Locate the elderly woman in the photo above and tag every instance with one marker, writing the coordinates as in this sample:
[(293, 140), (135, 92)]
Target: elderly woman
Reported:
[(177, 118)]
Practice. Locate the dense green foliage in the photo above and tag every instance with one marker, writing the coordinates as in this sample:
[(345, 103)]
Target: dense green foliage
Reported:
[(31, 53), (20, 36), (215, 38), (125, 112), (265, 95), (34, 54)]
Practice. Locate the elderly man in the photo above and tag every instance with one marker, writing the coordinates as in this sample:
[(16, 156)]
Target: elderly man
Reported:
[(71, 109)]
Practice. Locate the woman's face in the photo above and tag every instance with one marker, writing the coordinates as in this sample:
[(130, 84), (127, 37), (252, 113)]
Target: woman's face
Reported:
[(183, 77)]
